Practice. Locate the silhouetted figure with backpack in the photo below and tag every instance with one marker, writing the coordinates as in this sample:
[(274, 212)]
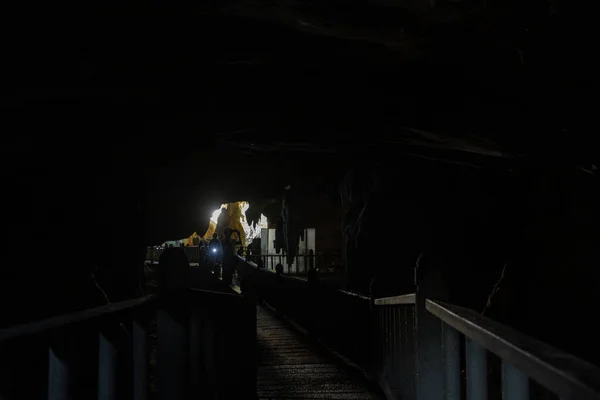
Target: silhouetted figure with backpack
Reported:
[(279, 273), (229, 255), (173, 270), (312, 276), (215, 252)]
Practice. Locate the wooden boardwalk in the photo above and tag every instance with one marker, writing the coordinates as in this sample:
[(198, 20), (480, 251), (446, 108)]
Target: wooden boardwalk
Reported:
[(289, 368)]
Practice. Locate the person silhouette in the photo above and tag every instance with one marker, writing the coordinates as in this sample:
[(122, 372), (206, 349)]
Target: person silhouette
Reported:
[(174, 269), (279, 272), (215, 249), (312, 276)]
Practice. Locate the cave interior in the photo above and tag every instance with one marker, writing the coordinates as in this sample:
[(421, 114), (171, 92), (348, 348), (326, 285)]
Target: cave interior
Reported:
[(453, 137)]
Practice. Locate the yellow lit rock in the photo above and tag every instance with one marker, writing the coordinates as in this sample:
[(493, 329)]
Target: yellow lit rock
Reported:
[(233, 216), (189, 241)]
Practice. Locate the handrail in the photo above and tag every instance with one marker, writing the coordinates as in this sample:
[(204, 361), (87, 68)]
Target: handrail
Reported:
[(566, 375), (360, 296), (212, 292), (187, 357), (396, 300), (285, 276), (33, 328)]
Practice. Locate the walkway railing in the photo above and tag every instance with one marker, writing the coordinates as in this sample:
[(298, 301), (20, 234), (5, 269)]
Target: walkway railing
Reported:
[(204, 346), (418, 348), (61, 337), (523, 358), (395, 356), (328, 263), (193, 253)]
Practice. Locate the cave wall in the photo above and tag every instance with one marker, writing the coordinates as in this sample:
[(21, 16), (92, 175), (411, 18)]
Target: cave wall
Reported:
[(315, 198), (466, 224), (556, 267), (229, 217), (321, 211), (74, 218)]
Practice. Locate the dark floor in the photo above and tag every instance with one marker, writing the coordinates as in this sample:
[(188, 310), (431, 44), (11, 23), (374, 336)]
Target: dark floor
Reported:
[(289, 368)]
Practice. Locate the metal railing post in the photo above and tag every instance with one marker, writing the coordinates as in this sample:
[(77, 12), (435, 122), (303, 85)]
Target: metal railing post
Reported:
[(476, 371), (515, 384), (107, 364), (452, 362), (395, 331), (172, 349), (59, 368), (140, 356), (410, 353), (430, 375), (374, 358)]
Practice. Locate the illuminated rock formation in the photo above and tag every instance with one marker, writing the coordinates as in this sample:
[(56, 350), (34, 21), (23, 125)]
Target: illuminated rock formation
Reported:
[(193, 240), (229, 215), (233, 215)]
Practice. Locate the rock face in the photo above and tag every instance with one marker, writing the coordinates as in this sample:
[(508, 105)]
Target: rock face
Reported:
[(516, 245), (231, 217), (88, 231)]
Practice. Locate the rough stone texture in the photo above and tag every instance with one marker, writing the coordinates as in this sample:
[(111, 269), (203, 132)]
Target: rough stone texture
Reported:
[(288, 368), (230, 217)]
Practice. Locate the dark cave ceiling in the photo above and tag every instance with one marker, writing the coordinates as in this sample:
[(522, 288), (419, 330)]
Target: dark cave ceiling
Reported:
[(505, 78), (198, 97)]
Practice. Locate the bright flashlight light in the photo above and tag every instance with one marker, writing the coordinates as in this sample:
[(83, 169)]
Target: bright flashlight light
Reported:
[(214, 250)]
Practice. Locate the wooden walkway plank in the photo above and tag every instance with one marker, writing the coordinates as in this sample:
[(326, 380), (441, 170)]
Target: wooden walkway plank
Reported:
[(288, 368)]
